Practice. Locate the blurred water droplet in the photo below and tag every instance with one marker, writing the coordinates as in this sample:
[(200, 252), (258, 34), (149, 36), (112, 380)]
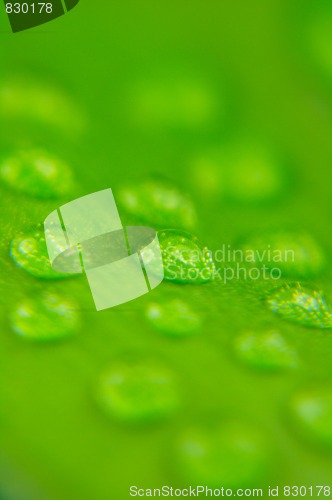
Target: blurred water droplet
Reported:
[(232, 455), (265, 350), (296, 254), (185, 260), (36, 173), (242, 172), (24, 99), (29, 252), (45, 318), (300, 305), (158, 203), (175, 318), (312, 410), (175, 103), (319, 38), (137, 391)]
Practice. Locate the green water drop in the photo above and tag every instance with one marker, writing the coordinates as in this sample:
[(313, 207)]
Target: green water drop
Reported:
[(159, 203), (31, 101), (319, 39), (301, 305), (138, 391), (312, 411), (244, 172), (36, 173), (45, 318), (267, 350), (295, 254), (174, 318), (232, 455), (29, 252), (174, 102), (185, 260)]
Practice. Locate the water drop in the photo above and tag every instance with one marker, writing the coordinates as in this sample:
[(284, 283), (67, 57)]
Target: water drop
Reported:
[(301, 305), (45, 318), (175, 318), (36, 173), (267, 350), (137, 391), (185, 260), (312, 410), (232, 455), (158, 203), (29, 252), (295, 254)]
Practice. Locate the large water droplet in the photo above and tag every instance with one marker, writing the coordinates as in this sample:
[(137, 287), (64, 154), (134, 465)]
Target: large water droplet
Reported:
[(312, 410), (45, 318), (233, 455), (266, 350), (36, 173), (295, 254), (158, 203), (137, 391), (174, 317), (29, 252), (301, 305), (185, 260)]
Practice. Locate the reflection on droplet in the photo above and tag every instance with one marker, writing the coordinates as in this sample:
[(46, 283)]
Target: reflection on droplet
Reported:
[(36, 173), (137, 391), (233, 455), (295, 254), (158, 203), (266, 350), (312, 410), (185, 260), (45, 318), (175, 318), (300, 305), (29, 252)]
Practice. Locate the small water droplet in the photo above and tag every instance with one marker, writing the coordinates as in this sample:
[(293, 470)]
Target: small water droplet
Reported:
[(296, 254), (175, 318), (312, 410), (301, 305), (185, 260), (137, 391), (158, 203), (29, 252), (36, 173), (266, 350), (232, 455), (45, 318)]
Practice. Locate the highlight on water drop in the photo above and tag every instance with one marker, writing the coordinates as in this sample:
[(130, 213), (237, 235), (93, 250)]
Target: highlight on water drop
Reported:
[(37, 173), (185, 260), (44, 318), (158, 202), (301, 305), (174, 318), (266, 350), (137, 391)]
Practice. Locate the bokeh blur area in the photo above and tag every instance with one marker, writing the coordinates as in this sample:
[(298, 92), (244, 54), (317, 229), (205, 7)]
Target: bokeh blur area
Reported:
[(212, 123)]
